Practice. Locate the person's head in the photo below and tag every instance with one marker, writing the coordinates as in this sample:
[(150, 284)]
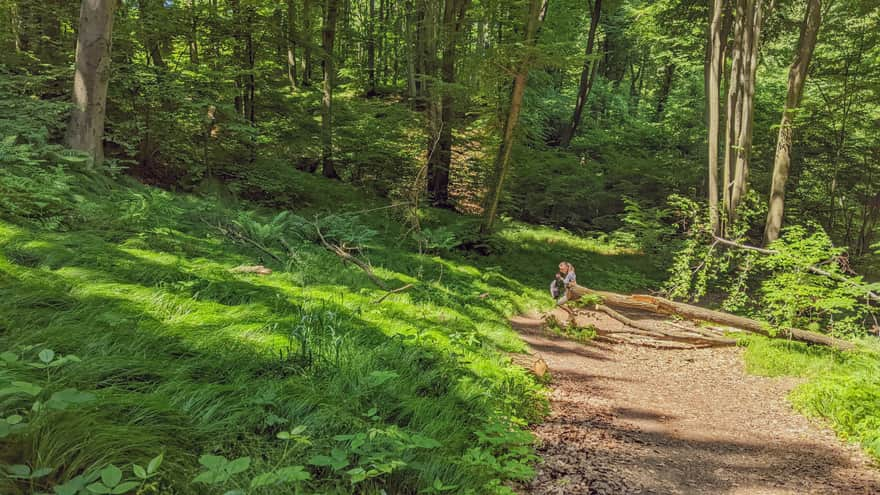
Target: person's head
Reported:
[(566, 267)]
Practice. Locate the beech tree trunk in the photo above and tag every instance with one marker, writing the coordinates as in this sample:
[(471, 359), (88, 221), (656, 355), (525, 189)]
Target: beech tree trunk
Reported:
[(751, 44), (331, 11), (588, 75), (797, 75), (734, 106), (86, 129), (537, 9), (713, 102)]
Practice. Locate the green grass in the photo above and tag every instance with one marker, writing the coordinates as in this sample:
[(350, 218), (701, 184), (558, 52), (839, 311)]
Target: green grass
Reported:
[(186, 358), (841, 388)]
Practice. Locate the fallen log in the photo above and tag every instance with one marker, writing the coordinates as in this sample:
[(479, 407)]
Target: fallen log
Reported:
[(664, 306), (652, 331)]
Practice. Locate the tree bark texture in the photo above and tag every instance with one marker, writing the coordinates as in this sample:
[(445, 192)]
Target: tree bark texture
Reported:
[(588, 75), (86, 128), (537, 9), (331, 11), (797, 75)]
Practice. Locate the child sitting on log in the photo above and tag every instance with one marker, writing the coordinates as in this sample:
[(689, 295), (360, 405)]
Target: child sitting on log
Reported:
[(564, 278)]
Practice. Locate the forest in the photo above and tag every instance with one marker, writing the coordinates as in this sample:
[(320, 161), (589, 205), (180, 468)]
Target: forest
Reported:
[(260, 247)]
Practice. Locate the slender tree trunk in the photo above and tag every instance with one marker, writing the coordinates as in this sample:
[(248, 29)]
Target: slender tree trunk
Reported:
[(665, 89), (751, 43), (440, 161), (331, 8), (734, 109), (371, 49), (588, 75), (306, 39), (86, 129), (713, 102), (290, 36), (412, 88), (537, 9), (193, 41), (797, 75)]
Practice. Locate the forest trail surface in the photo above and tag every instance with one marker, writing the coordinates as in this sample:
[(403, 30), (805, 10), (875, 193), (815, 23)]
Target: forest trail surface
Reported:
[(636, 420)]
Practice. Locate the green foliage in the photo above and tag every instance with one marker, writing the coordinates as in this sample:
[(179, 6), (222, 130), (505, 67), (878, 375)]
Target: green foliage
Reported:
[(842, 388), (182, 356)]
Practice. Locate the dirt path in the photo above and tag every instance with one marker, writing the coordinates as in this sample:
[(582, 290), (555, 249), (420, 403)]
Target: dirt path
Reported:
[(634, 420)]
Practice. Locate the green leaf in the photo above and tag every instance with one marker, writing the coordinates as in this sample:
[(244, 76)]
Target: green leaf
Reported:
[(111, 475), (40, 472), (423, 442), (19, 471), (69, 396), (125, 487), (211, 477), (8, 357), (264, 479), (239, 465), (293, 474), (14, 419), (155, 463), (357, 475), (46, 355), (21, 388), (212, 461), (139, 471), (98, 488)]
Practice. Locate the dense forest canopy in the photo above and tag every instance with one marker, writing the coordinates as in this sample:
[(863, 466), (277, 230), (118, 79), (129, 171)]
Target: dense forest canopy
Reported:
[(233, 89), (724, 152)]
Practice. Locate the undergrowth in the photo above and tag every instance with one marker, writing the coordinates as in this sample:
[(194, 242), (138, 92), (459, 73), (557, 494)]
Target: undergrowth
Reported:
[(297, 380), (841, 388)]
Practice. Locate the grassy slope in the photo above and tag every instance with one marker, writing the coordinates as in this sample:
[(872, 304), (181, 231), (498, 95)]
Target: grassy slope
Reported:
[(187, 358)]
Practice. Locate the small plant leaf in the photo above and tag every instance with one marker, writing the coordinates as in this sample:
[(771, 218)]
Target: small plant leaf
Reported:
[(98, 488), (139, 471), (111, 476), (125, 487), (154, 464), (239, 465), (212, 461), (46, 355)]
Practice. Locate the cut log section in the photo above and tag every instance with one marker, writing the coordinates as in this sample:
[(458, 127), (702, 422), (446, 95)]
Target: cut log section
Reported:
[(531, 362), (659, 305)]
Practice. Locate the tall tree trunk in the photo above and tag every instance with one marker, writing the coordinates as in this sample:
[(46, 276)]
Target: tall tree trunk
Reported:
[(193, 38), (537, 9), (797, 75), (86, 129), (440, 160), (588, 75), (149, 29), (331, 11), (751, 44), (306, 39), (714, 67), (665, 89), (412, 88), (290, 36), (734, 109), (371, 49)]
